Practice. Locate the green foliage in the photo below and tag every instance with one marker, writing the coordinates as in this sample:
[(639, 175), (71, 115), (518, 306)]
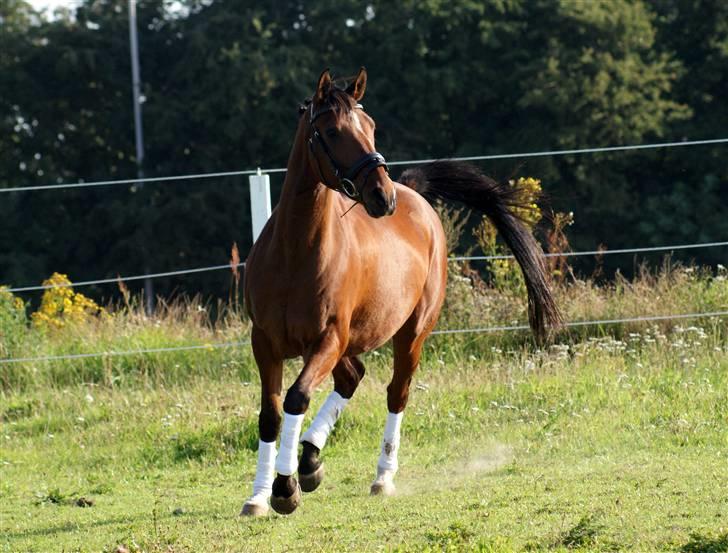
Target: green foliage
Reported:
[(12, 322), (222, 80), (454, 221), (688, 212), (18, 410), (505, 273), (600, 76)]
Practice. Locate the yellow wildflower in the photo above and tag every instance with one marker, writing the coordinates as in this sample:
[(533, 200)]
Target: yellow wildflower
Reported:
[(529, 190), (61, 305)]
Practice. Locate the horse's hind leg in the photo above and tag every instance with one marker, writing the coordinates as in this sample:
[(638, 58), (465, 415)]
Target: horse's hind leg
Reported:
[(348, 372), (269, 423), (407, 344)]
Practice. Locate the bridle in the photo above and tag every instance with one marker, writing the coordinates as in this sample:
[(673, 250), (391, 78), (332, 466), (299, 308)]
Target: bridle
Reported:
[(366, 163)]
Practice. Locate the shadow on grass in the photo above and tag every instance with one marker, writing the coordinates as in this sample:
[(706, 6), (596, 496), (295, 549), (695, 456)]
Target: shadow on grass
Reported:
[(77, 527), (706, 544), (583, 535)]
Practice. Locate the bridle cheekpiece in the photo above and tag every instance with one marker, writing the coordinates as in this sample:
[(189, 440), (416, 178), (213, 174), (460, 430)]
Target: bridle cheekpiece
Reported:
[(367, 163)]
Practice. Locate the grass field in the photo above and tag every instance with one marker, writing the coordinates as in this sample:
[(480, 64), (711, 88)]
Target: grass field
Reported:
[(610, 440)]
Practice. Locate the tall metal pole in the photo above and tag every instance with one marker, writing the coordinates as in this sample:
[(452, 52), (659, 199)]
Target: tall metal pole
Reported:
[(138, 129)]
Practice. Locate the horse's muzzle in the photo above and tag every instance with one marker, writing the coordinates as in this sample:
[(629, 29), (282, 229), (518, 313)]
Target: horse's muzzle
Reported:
[(378, 203)]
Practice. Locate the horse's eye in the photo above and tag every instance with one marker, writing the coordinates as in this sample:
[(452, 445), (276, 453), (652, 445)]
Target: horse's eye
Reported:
[(332, 132)]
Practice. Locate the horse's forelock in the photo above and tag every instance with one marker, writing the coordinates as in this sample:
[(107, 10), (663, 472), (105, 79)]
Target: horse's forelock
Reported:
[(340, 102)]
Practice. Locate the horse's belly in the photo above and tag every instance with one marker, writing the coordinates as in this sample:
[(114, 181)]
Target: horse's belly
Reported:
[(373, 329)]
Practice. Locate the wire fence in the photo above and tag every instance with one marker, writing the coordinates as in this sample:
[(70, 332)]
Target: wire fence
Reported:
[(248, 172), (481, 330), (124, 279), (648, 249), (408, 162), (73, 356), (674, 247), (455, 258), (574, 324)]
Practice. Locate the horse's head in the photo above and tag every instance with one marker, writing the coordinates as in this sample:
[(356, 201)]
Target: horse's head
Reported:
[(341, 142)]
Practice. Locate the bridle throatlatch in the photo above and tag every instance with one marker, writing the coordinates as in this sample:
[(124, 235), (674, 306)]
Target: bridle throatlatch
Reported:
[(366, 163)]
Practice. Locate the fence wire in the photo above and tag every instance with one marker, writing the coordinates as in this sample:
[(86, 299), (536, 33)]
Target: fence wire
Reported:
[(481, 330), (454, 258), (124, 279), (543, 153)]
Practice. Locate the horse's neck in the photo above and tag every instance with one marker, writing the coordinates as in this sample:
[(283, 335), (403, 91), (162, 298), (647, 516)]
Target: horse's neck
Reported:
[(306, 210)]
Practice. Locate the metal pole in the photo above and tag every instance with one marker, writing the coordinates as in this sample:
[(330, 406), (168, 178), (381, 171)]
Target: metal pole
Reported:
[(136, 86), (138, 129)]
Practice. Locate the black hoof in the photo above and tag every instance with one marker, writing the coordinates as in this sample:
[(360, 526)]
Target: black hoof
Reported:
[(309, 482), (310, 469), (286, 505)]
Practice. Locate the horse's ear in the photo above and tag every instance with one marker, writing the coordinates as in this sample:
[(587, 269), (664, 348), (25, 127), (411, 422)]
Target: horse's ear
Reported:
[(356, 89), (324, 85)]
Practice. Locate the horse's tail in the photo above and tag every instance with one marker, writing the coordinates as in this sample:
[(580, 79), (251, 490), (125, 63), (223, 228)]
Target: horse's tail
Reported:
[(463, 182)]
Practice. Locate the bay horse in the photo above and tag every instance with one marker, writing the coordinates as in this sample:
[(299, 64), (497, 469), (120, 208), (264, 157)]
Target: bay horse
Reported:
[(348, 260)]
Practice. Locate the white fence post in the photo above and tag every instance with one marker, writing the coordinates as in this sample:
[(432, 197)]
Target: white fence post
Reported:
[(259, 202)]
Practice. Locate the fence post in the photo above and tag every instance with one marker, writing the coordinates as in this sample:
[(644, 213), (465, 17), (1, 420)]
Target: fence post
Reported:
[(259, 202)]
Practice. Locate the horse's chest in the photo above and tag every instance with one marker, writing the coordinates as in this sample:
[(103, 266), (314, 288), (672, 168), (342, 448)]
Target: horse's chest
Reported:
[(308, 312), (292, 313)]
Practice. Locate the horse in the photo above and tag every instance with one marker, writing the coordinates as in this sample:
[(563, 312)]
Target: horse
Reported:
[(348, 260)]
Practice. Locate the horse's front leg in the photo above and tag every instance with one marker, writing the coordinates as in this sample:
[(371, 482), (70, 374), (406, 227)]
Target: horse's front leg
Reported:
[(319, 363), (348, 372), (269, 422)]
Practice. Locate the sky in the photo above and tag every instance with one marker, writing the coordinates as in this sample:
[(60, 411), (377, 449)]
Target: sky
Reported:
[(52, 4)]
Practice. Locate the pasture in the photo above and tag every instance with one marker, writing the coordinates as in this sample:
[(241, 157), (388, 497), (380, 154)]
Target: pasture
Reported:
[(614, 438)]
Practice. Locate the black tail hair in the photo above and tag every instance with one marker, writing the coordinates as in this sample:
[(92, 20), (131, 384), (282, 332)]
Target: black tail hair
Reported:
[(462, 182)]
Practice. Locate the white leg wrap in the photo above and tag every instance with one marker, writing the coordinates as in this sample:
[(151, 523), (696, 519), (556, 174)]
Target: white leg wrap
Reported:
[(384, 482), (325, 420), (287, 460), (390, 442), (263, 484)]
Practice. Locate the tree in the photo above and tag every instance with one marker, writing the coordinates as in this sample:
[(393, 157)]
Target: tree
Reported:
[(223, 80)]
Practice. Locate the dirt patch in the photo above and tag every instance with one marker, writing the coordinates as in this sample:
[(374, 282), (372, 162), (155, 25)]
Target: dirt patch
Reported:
[(458, 472)]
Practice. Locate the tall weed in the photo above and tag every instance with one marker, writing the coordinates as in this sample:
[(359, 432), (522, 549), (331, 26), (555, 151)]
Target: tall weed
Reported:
[(13, 323)]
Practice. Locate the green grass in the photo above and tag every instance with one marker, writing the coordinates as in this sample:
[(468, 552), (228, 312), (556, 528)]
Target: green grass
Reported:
[(593, 445), (470, 303), (614, 438)]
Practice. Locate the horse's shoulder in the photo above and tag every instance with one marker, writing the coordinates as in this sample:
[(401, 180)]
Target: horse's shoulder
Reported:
[(412, 199), (414, 206)]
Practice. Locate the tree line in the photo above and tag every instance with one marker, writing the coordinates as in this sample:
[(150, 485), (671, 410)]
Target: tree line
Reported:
[(222, 81)]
